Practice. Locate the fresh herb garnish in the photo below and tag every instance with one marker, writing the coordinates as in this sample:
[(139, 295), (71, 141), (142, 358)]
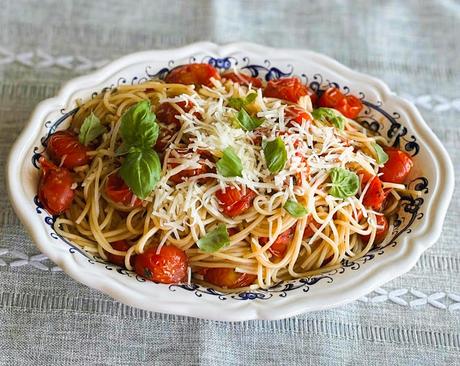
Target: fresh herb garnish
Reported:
[(90, 129), (214, 240), (275, 154), (239, 103), (382, 156), (344, 183), (331, 115), (295, 209), (247, 122), (229, 165)]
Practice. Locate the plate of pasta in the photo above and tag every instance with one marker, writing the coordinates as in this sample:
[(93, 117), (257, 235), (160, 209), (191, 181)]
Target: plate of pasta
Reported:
[(230, 182)]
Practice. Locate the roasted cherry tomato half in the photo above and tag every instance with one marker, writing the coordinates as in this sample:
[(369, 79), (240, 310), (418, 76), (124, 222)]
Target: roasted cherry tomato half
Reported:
[(228, 278), (375, 195), (243, 79), (381, 233), (350, 106), (309, 232), (296, 114), (187, 173), (398, 166), (197, 74), (55, 187), (122, 246), (280, 245), (168, 266), (65, 150), (290, 89), (118, 191), (331, 98), (234, 201)]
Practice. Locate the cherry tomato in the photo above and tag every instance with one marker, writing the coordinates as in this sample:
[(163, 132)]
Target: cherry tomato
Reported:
[(398, 166), (234, 201), (243, 79), (290, 89), (187, 173), (64, 148), (296, 114), (55, 187), (313, 97), (280, 245), (198, 74), (331, 98), (168, 266), (119, 260), (309, 232), (381, 233), (117, 190), (350, 106), (375, 195), (228, 278)]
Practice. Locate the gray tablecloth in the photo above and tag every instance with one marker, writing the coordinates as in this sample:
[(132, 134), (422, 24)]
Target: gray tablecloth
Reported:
[(46, 318)]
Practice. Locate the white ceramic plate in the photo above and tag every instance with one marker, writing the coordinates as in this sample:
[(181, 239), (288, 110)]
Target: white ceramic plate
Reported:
[(418, 226)]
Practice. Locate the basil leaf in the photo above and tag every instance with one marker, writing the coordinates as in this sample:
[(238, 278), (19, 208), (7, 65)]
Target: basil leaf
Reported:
[(275, 154), (229, 165), (90, 129), (331, 115), (139, 127), (141, 171), (382, 156), (344, 183), (247, 122), (239, 103), (214, 240), (295, 209)]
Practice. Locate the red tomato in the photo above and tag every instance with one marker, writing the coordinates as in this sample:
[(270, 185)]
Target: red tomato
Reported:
[(243, 79), (313, 97), (290, 89), (331, 98), (168, 266), (375, 195), (198, 74), (398, 166), (309, 232), (234, 202), (184, 174), (117, 190), (296, 114), (280, 245), (119, 260), (350, 106), (381, 233), (232, 231), (64, 148), (55, 187), (228, 278)]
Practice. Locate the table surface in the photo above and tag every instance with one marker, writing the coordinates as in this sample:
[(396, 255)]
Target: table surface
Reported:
[(46, 318)]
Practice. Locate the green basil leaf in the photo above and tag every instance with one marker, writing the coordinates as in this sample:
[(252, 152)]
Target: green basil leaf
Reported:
[(331, 115), (239, 103), (247, 122), (229, 165), (382, 156), (295, 209), (214, 240), (275, 154), (344, 183), (90, 129), (139, 127), (141, 171)]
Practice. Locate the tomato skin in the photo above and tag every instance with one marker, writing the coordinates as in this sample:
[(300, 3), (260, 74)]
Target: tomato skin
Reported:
[(375, 195), (168, 266), (118, 191), (197, 74), (234, 202), (296, 114), (331, 98), (187, 173), (398, 166), (64, 147), (243, 79), (228, 278), (350, 106), (119, 260), (290, 89), (309, 232), (280, 245), (55, 187), (381, 234)]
